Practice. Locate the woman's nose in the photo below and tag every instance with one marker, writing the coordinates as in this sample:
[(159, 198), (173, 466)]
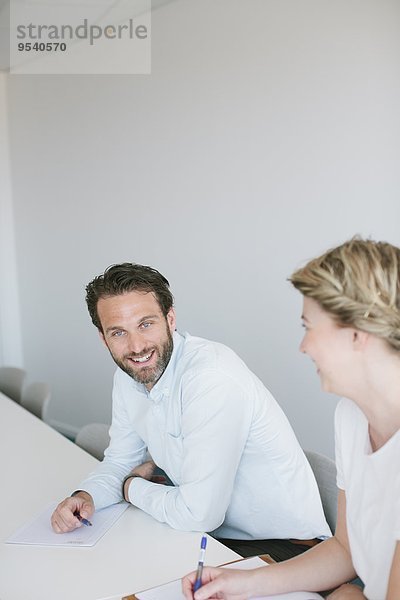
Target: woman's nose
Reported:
[(302, 346)]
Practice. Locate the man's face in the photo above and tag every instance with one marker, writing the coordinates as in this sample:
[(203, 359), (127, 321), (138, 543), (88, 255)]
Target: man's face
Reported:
[(137, 334)]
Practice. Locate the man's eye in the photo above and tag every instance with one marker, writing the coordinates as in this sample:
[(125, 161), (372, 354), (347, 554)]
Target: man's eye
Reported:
[(145, 325), (117, 333)]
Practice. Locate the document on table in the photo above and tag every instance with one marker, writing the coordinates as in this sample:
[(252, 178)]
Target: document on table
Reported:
[(173, 591), (39, 531)]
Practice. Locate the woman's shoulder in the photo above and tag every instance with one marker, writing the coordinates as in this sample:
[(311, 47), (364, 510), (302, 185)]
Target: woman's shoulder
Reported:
[(348, 413)]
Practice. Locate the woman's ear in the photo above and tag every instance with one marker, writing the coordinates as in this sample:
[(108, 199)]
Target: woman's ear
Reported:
[(359, 339)]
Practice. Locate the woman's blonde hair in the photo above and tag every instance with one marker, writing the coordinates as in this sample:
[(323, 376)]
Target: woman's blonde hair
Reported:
[(358, 283)]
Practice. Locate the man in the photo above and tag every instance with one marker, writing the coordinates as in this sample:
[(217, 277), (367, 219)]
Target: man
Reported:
[(207, 421)]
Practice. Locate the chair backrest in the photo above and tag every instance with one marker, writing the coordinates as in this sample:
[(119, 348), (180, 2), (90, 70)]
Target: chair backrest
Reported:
[(324, 470), (36, 397), (94, 438), (12, 381)]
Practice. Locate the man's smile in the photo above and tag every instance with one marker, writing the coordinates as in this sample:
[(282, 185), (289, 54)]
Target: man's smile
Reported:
[(139, 360)]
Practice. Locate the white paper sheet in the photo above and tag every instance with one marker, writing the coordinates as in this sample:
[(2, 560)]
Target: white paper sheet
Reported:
[(173, 591), (39, 531)]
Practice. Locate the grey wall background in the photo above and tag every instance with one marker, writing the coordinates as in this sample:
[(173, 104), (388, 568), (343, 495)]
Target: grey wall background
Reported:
[(268, 131)]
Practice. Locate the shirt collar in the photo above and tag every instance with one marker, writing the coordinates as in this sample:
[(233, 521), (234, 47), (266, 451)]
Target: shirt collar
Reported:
[(164, 384)]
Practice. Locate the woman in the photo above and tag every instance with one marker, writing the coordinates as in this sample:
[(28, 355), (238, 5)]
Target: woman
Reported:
[(351, 317)]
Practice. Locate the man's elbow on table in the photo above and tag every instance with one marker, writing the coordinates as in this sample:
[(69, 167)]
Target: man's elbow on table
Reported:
[(193, 519)]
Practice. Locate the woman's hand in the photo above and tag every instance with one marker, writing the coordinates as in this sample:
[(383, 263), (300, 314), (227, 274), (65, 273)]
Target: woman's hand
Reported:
[(228, 584)]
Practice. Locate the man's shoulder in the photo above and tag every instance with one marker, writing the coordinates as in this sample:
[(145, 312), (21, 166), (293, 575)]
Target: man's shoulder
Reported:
[(201, 352), (213, 362)]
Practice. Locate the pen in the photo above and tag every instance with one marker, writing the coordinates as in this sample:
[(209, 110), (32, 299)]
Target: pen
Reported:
[(82, 519), (198, 582)]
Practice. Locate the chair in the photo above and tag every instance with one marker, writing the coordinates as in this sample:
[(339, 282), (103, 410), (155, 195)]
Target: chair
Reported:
[(325, 473), (35, 398), (11, 382), (324, 470), (94, 438)]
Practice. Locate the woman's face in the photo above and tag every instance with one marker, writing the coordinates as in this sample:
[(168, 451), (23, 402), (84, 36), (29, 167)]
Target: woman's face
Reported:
[(329, 346)]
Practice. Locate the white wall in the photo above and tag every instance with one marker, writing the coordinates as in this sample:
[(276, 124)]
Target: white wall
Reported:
[(10, 322), (268, 131)]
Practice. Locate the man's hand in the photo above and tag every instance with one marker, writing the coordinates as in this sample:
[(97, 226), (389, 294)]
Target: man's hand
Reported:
[(347, 591), (145, 471), (63, 518)]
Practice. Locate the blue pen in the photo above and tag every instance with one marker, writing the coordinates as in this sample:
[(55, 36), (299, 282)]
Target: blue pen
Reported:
[(82, 519), (198, 582)]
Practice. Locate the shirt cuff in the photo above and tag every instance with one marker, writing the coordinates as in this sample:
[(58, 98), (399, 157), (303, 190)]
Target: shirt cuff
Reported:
[(137, 487)]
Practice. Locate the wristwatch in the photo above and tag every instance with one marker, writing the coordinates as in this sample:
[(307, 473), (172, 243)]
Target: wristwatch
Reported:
[(125, 479), (76, 492)]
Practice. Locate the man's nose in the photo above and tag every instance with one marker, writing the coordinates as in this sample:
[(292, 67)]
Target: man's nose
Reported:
[(136, 344)]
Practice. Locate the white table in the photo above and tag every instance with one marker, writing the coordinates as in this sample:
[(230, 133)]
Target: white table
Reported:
[(38, 465)]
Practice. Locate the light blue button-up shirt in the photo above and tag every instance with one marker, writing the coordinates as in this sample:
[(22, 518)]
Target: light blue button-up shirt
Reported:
[(223, 440)]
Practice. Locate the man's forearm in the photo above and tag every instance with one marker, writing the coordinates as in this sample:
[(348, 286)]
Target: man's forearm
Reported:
[(82, 494), (145, 471)]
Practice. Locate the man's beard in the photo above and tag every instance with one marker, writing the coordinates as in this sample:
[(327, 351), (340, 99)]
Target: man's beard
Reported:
[(148, 375)]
